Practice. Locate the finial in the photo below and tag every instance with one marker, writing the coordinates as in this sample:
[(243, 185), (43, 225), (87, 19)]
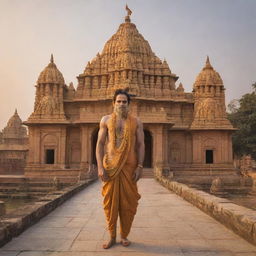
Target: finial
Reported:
[(129, 12), (207, 60), (207, 63), (52, 60), (16, 112)]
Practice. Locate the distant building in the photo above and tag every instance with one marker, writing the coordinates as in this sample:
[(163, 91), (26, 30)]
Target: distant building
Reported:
[(13, 146), (182, 130)]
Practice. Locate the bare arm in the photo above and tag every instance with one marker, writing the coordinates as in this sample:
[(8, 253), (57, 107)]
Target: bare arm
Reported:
[(100, 148), (140, 150)]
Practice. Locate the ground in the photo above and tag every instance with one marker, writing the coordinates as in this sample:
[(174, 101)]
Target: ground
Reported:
[(165, 224)]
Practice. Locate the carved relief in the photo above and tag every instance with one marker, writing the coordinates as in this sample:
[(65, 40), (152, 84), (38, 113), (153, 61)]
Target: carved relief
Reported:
[(208, 109), (128, 58), (47, 106)]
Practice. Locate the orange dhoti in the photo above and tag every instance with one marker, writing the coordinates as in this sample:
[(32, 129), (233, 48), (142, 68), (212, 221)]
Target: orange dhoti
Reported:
[(120, 192)]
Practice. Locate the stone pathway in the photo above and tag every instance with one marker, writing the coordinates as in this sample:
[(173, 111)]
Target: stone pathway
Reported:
[(164, 225)]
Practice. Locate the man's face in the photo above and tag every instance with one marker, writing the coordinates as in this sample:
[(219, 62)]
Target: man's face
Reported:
[(121, 104)]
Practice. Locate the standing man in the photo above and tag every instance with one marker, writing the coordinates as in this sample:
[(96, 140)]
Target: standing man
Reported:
[(121, 166)]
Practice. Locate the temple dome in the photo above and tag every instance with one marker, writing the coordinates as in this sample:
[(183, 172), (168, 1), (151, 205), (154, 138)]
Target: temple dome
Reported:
[(51, 74), (208, 76), (14, 128), (127, 49), (15, 120), (127, 39)]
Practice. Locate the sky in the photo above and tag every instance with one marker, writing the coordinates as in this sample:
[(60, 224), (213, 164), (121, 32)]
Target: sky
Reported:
[(183, 32)]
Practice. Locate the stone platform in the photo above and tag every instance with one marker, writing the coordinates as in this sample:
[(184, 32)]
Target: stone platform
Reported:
[(164, 225)]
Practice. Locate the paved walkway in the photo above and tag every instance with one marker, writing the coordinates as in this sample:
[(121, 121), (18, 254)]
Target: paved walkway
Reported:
[(164, 225)]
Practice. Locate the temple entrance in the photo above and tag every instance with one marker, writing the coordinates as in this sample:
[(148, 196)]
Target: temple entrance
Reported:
[(148, 149), (209, 156), (94, 142), (49, 156)]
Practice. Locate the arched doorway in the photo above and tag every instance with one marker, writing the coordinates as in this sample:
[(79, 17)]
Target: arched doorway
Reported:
[(94, 142), (148, 149)]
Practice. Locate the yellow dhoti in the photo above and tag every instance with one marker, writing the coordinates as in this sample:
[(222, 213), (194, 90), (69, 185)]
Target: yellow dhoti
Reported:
[(120, 192)]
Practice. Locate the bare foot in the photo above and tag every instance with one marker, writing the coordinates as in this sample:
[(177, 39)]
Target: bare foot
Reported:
[(125, 242), (109, 244)]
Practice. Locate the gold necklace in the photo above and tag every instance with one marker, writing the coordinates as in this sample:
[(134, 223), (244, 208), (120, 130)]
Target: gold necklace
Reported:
[(119, 132)]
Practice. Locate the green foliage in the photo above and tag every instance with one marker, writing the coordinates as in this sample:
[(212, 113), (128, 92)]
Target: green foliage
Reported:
[(243, 117)]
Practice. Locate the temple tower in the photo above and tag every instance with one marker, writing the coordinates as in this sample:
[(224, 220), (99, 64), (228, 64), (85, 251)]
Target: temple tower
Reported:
[(13, 146), (47, 124), (210, 127)]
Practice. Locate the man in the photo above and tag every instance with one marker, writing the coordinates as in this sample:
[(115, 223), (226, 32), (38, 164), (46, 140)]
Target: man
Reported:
[(121, 166)]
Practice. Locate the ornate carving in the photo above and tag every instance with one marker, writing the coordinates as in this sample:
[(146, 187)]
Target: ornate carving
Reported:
[(209, 108), (128, 60)]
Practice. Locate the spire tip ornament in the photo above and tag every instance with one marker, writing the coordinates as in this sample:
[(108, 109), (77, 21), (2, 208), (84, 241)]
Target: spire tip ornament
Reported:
[(129, 13), (52, 60)]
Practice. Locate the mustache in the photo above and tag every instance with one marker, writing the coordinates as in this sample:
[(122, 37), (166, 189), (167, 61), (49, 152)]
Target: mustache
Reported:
[(121, 107)]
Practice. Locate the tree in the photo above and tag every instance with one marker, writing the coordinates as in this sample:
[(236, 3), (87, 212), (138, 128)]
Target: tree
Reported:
[(243, 117)]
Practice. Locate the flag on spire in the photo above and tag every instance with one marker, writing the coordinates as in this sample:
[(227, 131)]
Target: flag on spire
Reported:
[(129, 12)]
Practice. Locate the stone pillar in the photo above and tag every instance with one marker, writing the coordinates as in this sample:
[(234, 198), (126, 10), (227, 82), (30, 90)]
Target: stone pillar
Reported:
[(34, 145), (160, 144), (197, 148), (62, 147), (165, 144), (86, 145)]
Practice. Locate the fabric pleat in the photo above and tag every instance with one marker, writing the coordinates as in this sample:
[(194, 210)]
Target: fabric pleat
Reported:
[(120, 192)]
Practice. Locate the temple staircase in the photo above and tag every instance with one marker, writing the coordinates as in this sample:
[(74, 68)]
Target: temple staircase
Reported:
[(148, 173)]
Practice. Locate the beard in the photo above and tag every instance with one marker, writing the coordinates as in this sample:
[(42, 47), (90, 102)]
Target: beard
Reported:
[(121, 111)]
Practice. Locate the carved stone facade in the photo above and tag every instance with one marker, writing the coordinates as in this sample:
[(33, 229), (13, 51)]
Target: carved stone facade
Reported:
[(181, 129), (13, 146)]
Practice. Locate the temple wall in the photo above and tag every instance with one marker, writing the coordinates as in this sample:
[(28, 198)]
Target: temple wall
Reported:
[(47, 137), (220, 142), (179, 147), (12, 162)]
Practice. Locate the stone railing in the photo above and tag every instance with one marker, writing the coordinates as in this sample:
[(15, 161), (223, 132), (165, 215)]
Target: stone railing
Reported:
[(237, 218)]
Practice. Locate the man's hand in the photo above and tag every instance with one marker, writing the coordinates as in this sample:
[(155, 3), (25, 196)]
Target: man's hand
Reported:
[(103, 175), (137, 174)]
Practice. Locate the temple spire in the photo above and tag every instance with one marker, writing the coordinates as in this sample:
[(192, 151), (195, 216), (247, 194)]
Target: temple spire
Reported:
[(52, 60), (207, 63)]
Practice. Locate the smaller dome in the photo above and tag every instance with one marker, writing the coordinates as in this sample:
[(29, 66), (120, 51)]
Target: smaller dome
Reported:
[(51, 74), (14, 128), (15, 120), (208, 76)]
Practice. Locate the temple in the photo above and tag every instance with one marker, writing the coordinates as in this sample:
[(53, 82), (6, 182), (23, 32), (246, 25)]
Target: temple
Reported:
[(182, 129), (13, 146)]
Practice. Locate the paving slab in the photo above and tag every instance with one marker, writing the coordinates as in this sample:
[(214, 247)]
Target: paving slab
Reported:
[(165, 224)]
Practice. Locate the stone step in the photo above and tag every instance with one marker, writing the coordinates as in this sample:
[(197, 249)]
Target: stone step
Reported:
[(24, 189), (201, 173), (30, 184), (12, 179), (207, 180), (199, 169), (148, 173), (22, 195)]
